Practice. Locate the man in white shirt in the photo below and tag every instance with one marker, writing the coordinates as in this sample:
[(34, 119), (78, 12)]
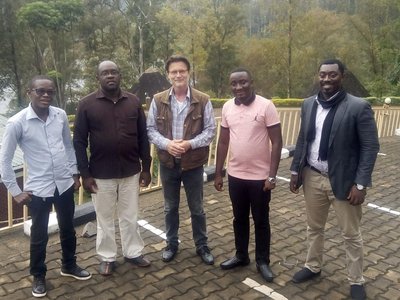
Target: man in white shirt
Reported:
[(42, 132)]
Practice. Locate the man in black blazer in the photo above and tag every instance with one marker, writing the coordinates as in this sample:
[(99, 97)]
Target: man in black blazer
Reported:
[(334, 158)]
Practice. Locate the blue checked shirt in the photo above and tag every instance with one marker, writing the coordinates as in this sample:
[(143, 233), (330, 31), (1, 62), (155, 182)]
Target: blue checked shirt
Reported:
[(179, 112)]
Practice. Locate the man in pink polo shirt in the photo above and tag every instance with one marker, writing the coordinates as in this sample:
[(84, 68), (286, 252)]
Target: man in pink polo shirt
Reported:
[(251, 129)]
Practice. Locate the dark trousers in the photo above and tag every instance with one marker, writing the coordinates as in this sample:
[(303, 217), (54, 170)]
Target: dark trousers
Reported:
[(193, 184), (39, 209), (246, 195)]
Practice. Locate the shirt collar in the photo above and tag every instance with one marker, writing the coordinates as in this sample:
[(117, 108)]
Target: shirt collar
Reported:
[(100, 95), (252, 98), (32, 115), (316, 97), (171, 93)]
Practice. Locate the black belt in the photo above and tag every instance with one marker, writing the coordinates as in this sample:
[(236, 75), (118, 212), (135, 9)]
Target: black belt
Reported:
[(325, 174)]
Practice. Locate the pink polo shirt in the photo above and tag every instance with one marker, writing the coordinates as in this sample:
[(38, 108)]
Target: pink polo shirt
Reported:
[(249, 150)]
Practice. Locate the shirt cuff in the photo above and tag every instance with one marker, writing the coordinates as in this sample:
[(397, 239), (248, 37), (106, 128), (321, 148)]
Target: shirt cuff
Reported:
[(15, 191)]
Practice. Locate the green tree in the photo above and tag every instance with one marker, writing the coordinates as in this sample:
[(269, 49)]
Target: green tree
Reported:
[(50, 27), (222, 26)]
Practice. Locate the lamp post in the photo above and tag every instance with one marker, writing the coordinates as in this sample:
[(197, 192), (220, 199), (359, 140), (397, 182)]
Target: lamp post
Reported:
[(386, 104)]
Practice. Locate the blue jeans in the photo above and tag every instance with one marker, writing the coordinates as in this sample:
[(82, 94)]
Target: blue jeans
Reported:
[(39, 209), (193, 184), (246, 195)]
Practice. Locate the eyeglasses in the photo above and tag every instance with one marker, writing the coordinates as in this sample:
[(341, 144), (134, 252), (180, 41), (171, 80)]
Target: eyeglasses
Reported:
[(176, 72), (109, 72), (41, 92)]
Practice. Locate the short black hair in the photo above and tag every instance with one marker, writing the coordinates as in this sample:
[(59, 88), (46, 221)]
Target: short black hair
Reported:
[(241, 69), (333, 61), (39, 77), (177, 58)]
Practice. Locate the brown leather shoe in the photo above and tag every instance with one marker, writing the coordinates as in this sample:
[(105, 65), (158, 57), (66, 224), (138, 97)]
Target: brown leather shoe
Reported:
[(139, 261), (106, 268)]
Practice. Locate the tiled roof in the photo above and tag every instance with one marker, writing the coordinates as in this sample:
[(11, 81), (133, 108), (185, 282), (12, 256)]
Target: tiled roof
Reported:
[(18, 160)]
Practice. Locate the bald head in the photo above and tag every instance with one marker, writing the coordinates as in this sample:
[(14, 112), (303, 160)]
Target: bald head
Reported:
[(108, 76), (106, 64)]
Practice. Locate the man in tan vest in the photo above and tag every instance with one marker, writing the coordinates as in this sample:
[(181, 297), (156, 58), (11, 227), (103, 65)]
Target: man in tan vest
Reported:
[(181, 124)]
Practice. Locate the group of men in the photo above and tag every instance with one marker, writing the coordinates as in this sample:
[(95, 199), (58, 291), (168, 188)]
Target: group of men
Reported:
[(334, 158)]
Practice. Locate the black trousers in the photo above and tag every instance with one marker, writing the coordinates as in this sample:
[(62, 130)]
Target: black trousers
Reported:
[(246, 195), (39, 209)]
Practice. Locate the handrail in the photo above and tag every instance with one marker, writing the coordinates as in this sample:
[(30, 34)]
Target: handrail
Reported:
[(387, 120)]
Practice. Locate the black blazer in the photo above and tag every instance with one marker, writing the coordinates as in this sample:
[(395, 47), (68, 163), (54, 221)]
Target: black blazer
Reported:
[(353, 145)]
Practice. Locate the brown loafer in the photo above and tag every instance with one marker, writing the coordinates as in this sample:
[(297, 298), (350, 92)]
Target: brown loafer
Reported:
[(106, 268)]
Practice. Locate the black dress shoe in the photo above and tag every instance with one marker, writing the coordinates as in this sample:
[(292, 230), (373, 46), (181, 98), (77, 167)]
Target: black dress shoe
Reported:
[(139, 261), (205, 254), (168, 254), (304, 274), (357, 292), (234, 262), (266, 272), (39, 287)]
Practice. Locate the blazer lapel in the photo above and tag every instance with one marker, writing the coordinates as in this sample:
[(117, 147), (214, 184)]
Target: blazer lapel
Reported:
[(341, 110)]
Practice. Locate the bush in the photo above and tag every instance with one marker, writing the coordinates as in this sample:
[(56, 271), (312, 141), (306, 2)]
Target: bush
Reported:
[(218, 103), (290, 102)]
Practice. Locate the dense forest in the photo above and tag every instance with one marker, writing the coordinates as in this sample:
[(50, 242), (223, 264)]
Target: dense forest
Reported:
[(280, 41)]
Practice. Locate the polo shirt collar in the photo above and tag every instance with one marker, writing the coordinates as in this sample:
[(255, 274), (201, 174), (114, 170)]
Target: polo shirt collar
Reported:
[(252, 98)]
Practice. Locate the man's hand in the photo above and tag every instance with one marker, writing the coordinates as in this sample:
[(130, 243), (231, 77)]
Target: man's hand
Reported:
[(77, 183), (89, 184), (268, 185), (218, 183), (185, 145), (356, 197), (293, 183), (176, 147), (23, 198), (144, 179)]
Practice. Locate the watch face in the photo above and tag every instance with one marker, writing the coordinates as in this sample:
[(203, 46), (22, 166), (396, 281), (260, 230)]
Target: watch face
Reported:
[(360, 187)]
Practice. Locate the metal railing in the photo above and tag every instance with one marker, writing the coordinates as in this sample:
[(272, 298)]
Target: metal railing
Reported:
[(387, 120)]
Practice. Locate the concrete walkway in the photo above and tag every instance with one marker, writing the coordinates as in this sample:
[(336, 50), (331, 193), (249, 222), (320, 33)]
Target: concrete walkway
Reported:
[(187, 278)]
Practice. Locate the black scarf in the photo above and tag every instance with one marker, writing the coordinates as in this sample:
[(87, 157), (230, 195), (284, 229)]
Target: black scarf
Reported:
[(333, 104)]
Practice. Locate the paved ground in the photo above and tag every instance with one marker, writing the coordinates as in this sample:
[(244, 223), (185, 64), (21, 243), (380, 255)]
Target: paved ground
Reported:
[(187, 278)]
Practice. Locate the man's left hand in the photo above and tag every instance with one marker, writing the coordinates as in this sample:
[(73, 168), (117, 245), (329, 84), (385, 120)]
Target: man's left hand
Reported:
[(356, 197), (268, 185), (185, 144), (144, 179)]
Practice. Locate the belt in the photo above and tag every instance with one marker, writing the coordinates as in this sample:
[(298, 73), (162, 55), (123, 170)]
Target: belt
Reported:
[(325, 174)]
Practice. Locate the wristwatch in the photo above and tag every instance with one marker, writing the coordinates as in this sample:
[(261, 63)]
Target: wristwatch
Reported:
[(360, 187), (272, 180)]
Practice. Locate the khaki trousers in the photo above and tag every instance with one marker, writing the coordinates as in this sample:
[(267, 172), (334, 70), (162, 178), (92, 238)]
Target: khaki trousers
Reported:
[(117, 196), (319, 197)]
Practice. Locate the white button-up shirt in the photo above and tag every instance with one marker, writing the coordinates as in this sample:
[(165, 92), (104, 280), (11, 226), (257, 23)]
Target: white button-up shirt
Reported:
[(313, 155), (48, 152)]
